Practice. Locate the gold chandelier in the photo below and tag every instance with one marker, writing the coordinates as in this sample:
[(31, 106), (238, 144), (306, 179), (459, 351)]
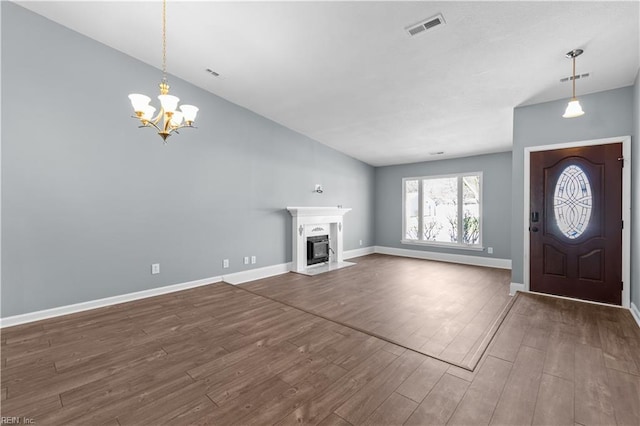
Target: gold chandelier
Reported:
[(168, 120)]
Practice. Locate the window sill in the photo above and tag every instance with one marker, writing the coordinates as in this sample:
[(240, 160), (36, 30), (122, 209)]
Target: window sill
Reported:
[(443, 245)]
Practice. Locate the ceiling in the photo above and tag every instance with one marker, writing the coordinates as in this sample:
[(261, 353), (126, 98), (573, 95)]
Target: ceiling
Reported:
[(348, 75)]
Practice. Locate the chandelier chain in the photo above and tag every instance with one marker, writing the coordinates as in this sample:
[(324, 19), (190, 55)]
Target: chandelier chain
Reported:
[(164, 39)]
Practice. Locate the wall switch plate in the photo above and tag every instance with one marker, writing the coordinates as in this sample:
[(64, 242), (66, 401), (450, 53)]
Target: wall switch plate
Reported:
[(253, 260), (490, 250), (246, 260), (155, 268), (360, 242), (225, 263)]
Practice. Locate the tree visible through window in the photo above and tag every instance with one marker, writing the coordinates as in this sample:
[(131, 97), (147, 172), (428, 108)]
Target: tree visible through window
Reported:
[(443, 210)]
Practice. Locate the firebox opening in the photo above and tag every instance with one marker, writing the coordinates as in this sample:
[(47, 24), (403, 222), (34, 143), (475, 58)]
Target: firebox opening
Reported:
[(317, 249)]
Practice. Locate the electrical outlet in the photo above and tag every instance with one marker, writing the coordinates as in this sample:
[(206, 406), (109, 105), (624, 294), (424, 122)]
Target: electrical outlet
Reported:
[(246, 260), (225, 263), (360, 242), (490, 250), (253, 260), (155, 268)]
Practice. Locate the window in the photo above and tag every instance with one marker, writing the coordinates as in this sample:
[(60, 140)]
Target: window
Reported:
[(443, 210)]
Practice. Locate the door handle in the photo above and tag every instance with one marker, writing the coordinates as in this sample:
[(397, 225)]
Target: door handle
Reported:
[(534, 229)]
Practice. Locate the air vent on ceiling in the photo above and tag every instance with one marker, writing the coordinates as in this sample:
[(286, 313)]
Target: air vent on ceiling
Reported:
[(570, 78), (212, 72), (436, 153), (427, 24)]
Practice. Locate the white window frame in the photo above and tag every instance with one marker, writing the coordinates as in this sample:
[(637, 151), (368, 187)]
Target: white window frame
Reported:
[(457, 245)]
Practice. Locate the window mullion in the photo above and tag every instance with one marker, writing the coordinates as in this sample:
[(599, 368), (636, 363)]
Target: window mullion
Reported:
[(460, 215), (420, 210)]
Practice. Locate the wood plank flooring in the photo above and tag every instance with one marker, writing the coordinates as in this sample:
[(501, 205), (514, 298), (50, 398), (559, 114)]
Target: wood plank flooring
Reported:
[(444, 310), (221, 355)]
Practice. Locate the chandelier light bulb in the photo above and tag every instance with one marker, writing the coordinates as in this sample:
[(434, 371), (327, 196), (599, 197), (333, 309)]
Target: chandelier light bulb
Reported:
[(189, 112), (169, 103), (148, 112), (176, 119), (139, 102)]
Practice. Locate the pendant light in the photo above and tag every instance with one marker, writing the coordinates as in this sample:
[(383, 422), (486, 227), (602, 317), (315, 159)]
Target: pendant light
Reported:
[(169, 119), (573, 108)]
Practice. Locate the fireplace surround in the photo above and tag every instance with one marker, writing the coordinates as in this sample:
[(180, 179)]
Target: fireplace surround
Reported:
[(309, 223)]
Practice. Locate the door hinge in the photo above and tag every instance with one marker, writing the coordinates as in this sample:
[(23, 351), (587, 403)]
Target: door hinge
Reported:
[(621, 159), (621, 285), (623, 224)]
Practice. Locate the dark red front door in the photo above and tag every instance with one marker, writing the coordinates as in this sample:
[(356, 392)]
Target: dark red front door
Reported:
[(576, 223)]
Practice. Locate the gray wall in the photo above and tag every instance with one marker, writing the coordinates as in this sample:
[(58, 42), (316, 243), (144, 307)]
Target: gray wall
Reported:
[(635, 196), (607, 114), (89, 201), (496, 206)]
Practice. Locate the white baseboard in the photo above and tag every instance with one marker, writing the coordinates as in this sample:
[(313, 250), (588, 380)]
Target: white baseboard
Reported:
[(446, 257), (350, 254), (256, 274), (242, 277), (100, 303), (515, 287), (635, 313)]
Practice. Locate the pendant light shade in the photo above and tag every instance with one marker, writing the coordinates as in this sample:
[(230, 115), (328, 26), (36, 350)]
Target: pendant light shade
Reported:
[(574, 109)]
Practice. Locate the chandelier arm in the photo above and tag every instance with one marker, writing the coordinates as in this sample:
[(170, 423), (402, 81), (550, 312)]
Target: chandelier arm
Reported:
[(155, 120), (151, 124), (167, 124), (182, 126), (145, 123)]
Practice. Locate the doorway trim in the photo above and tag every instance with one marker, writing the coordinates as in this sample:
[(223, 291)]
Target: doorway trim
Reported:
[(626, 206)]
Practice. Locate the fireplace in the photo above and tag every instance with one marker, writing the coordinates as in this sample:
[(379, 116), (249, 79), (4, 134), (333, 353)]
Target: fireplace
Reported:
[(317, 249), (312, 255)]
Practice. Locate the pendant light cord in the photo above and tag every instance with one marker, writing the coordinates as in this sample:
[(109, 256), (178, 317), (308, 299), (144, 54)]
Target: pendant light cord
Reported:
[(574, 77)]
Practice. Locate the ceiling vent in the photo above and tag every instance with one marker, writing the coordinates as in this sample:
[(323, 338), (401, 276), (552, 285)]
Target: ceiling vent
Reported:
[(427, 24), (570, 78)]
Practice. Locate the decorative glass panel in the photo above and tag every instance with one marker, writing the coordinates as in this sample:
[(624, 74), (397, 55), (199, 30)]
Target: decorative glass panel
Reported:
[(572, 202)]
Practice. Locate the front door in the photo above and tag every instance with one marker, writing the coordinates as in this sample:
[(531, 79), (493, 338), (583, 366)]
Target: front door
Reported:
[(575, 222)]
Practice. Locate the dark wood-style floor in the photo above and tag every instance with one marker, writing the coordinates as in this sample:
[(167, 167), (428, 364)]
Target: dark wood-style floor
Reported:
[(221, 355), (445, 310)]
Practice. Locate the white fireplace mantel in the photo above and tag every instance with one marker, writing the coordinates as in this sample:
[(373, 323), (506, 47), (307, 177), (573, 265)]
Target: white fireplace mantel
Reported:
[(317, 211), (305, 222)]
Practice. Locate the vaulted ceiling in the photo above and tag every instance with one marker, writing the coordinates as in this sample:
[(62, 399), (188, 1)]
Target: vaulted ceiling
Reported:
[(348, 74)]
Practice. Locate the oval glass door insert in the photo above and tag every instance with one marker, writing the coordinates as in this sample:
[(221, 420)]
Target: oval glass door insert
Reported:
[(572, 202)]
